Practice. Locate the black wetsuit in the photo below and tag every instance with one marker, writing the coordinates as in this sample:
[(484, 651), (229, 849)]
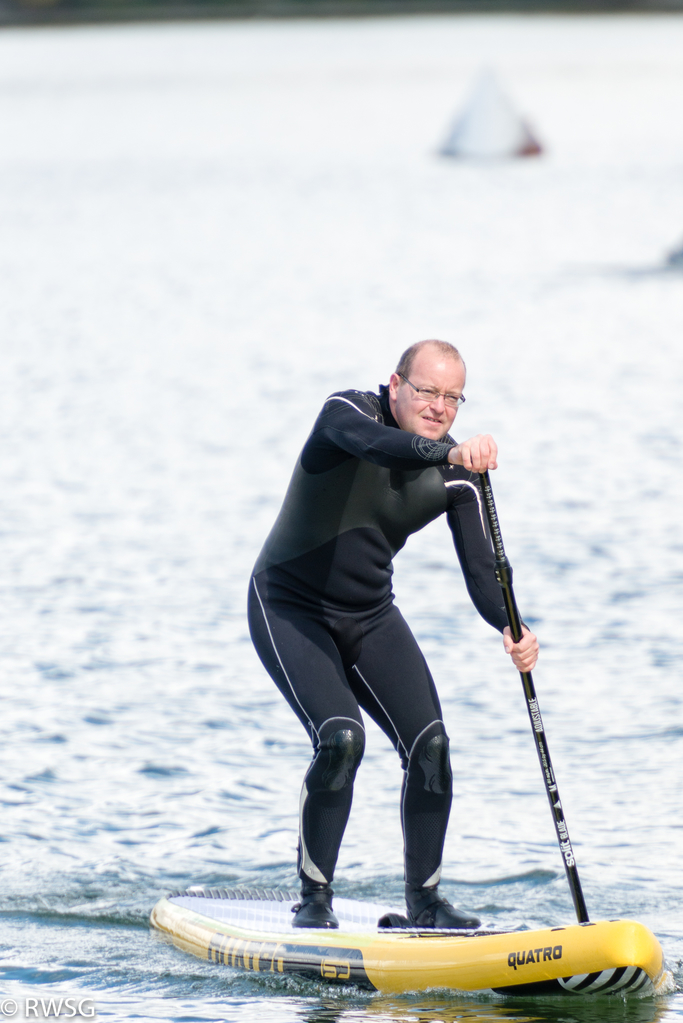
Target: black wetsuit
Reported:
[(325, 626)]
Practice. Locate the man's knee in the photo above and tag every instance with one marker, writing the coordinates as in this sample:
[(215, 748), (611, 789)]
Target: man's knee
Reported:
[(431, 755), (339, 755)]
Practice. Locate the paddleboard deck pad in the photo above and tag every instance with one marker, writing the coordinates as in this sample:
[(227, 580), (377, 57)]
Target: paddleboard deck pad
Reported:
[(251, 929)]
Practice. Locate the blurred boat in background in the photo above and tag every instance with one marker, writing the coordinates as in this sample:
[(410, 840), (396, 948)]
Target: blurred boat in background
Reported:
[(489, 127)]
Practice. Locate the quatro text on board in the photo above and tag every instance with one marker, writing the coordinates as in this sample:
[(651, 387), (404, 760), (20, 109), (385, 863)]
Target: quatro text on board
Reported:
[(534, 955)]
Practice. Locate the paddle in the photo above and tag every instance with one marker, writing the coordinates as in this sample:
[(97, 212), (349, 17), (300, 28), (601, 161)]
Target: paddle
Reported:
[(504, 576)]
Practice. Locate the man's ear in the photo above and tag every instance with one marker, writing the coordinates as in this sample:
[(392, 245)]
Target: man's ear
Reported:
[(394, 382)]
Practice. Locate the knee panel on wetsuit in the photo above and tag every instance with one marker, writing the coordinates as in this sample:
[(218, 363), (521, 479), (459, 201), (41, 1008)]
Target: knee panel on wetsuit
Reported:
[(431, 754), (338, 757)]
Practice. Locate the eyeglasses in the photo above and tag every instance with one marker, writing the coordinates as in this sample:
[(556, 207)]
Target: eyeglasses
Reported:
[(431, 394)]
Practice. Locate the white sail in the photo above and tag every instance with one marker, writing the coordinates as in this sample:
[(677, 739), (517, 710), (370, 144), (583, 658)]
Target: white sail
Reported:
[(489, 126)]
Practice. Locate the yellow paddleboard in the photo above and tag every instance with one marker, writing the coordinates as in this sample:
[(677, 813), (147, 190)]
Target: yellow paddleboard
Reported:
[(251, 929)]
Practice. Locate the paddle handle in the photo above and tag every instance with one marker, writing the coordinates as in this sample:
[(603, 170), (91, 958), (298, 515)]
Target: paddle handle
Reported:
[(504, 576)]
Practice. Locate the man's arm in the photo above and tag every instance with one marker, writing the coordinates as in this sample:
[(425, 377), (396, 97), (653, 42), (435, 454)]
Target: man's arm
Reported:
[(468, 525), (350, 425), (473, 545)]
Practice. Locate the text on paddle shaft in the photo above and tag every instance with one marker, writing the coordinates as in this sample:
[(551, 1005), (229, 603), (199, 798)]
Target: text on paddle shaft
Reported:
[(540, 742), (565, 844), (534, 955), (535, 716)]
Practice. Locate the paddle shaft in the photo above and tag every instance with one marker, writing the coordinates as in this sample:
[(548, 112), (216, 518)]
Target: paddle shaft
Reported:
[(504, 576)]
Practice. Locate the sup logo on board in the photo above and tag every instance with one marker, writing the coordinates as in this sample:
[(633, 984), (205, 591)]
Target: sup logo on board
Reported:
[(534, 955), (335, 969)]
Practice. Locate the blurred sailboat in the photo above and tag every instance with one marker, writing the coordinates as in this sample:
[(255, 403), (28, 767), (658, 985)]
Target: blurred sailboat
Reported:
[(489, 126)]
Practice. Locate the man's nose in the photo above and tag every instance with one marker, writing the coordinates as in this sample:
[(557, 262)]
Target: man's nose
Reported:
[(439, 401)]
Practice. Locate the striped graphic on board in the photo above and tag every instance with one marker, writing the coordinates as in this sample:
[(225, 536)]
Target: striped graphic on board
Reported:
[(622, 978)]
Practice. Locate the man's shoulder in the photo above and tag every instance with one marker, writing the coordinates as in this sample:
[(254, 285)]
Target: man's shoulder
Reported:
[(365, 403)]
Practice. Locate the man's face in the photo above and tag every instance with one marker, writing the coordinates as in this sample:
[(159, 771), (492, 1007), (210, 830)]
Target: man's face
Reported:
[(432, 419)]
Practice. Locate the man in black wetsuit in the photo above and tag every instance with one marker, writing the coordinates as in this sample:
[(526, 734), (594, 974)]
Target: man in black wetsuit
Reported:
[(375, 469)]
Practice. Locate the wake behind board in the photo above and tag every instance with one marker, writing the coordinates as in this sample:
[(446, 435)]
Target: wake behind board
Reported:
[(251, 929)]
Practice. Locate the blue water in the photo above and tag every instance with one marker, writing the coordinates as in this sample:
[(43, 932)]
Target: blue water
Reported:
[(205, 229)]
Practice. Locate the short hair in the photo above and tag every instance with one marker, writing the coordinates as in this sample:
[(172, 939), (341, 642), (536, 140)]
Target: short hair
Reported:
[(405, 363)]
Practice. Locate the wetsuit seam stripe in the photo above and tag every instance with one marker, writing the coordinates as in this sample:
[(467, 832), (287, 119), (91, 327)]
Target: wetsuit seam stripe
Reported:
[(347, 402), (375, 697), (436, 721), (284, 670), (404, 796), (466, 483)]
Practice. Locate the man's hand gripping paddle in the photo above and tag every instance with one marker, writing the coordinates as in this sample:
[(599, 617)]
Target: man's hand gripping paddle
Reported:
[(504, 576)]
